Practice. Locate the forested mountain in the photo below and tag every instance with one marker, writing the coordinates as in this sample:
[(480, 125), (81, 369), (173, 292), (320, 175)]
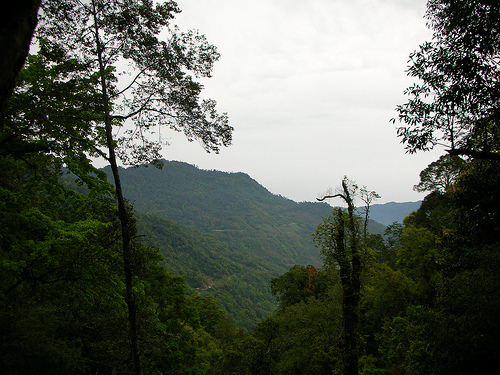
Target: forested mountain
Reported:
[(224, 232), (231, 206)]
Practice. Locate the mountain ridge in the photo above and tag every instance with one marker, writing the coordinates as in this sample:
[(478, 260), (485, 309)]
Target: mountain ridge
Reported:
[(387, 213), (227, 234), (239, 211), (231, 206)]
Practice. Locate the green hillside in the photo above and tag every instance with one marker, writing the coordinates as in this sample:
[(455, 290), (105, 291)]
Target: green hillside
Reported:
[(224, 232), (232, 207), (239, 282)]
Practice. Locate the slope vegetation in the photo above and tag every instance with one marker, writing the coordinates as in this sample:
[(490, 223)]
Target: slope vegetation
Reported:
[(224, 232), (232, 207)]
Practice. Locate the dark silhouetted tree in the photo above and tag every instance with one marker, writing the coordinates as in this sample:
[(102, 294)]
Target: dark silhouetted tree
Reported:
[(456, 100), (341, 239)]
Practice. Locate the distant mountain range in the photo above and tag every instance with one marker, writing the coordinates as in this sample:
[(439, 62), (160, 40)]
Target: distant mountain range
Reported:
[(228, 234), (388, 213)]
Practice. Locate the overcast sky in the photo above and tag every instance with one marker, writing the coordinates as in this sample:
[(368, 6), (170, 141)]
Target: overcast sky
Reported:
[(310, 87)]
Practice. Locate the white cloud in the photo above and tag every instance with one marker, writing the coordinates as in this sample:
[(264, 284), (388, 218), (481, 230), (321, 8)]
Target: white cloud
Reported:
[(310, 88)]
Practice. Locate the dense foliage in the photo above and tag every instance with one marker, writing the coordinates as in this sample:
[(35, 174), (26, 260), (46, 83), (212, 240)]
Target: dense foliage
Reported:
[(239, 282), (455, 99), (62, 307), (63, 111), (429, 300)]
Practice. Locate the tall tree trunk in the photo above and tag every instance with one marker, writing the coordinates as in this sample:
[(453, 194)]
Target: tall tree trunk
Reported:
[(352, 295), (126, 229), (18, 21), (350, 270), (346, 238), (346, 250)]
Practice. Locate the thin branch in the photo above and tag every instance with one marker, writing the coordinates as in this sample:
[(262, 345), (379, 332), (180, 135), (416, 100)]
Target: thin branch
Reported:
[(12, 287), (112, 52), (142, 108), (83, 140), (132, 83), (331, 196)]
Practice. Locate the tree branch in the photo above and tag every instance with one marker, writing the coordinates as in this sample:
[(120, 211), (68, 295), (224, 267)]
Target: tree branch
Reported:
[(483, 155), (131, 83), (331, 196)]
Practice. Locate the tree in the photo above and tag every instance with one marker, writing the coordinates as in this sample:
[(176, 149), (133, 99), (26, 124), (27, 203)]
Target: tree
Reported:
[(302, 337), (51, 113), (59, 266), (386, 252), (17, 24), (475, 198), (419, 256), (456, 103), (299, 284), (306, 338), (441, 174), (386, 294), (97, 34), (62, 307), (340, 238)]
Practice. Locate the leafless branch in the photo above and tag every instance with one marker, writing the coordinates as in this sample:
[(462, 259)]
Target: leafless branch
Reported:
[(331, 196)]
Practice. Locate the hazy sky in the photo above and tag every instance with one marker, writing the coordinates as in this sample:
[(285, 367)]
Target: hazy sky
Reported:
[(310, 87)]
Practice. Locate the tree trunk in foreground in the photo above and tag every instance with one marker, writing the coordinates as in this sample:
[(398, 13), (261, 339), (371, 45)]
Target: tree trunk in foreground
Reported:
[(18, 21), (126, 229)]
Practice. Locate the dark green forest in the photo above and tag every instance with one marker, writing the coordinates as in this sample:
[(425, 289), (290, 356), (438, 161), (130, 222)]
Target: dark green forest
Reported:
[(94, 281)]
